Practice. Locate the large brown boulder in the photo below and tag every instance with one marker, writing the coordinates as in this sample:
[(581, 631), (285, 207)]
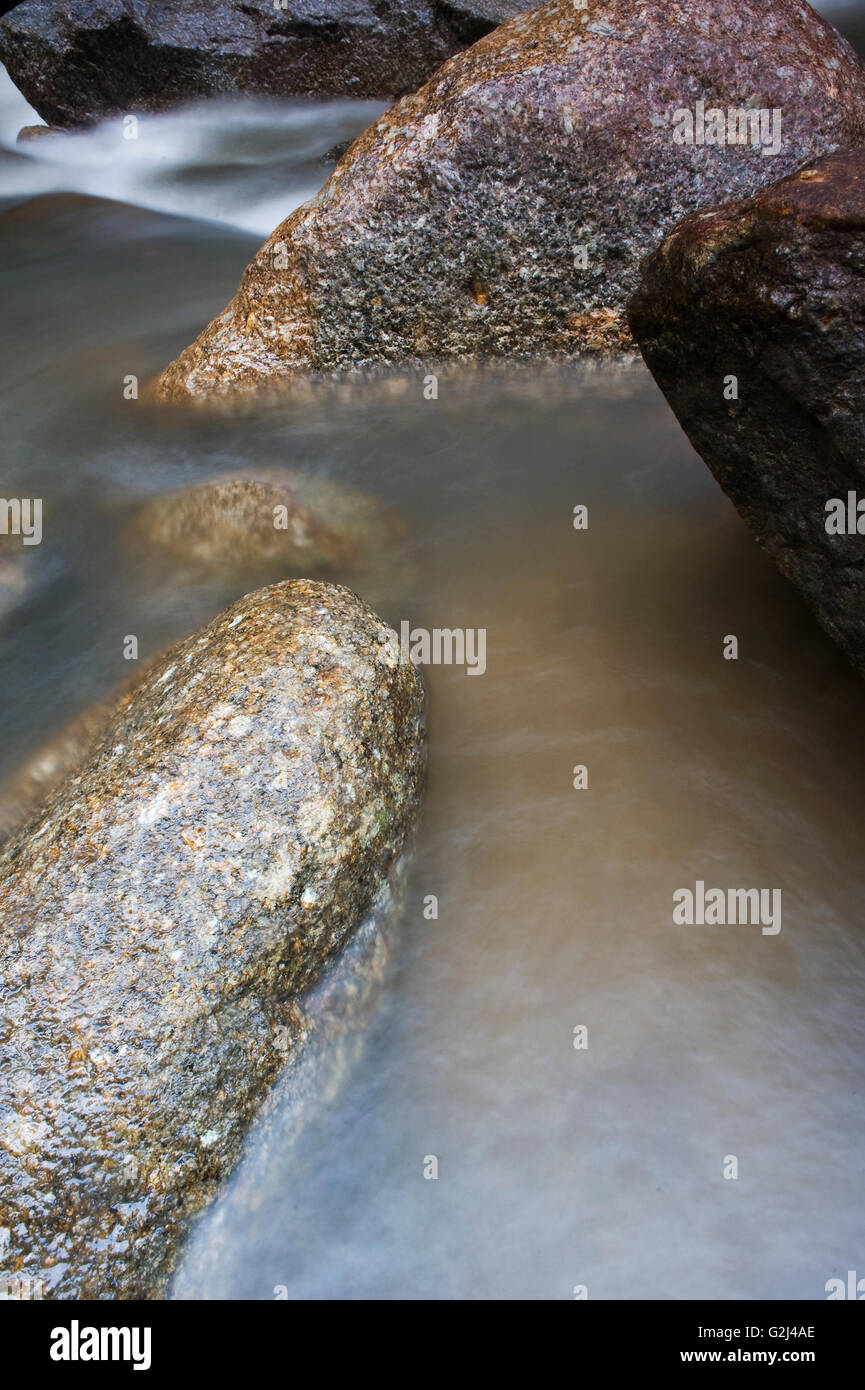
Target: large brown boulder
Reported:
[(163, 918), (84, 59), (752, 319), (503, 210)]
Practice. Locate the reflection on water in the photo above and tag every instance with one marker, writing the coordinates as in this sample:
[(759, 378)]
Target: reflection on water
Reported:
[(557, 1167)]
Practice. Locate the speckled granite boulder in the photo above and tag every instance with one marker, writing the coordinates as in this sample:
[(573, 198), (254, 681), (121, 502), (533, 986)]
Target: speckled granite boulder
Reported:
[(771, 292), (503, 210), (273, 524), (83, 59), (160, 920)]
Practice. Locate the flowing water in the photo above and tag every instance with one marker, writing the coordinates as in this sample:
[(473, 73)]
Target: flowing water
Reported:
[(600, 1166)]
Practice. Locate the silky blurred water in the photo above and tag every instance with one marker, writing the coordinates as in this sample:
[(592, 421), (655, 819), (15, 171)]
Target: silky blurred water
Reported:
[(556, 1167), (245, 163)]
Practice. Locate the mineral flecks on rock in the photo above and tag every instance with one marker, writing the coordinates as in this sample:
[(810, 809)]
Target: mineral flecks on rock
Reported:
[(159, 921), (503, 210)]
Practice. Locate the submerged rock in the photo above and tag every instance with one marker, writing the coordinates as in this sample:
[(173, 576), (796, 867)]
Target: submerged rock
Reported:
[(272, 524), (78, 61), (28, 133), (14, 577), (503, 209), (233, 825), (29, 785), (38, 775), (771, 292)]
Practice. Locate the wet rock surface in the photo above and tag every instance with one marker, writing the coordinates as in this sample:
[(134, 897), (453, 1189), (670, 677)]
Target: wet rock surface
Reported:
[(273, 524), (504, 208), (772, 292), (80, 61), (336, 1014), (161, 920)]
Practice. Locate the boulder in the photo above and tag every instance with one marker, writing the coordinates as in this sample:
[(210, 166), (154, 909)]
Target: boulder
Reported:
[(503, 210), (164, 917), (82, 60), (274, 523), (751, 317)]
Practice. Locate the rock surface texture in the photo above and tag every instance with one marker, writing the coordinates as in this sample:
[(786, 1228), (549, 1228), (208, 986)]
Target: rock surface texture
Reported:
[(503, 210), (79, 61), (161, 920), (772, 292)]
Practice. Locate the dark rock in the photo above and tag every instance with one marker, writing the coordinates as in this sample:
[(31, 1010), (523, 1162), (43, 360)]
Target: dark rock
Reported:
[(458, 225), (772, 291), (335, 153), (78, 61), (162, 919)]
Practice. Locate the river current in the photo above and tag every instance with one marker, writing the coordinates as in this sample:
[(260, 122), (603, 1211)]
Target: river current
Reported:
[(581, 1067)]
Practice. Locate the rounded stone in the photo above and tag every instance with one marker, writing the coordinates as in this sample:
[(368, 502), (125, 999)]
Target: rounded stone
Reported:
[(234, 823)]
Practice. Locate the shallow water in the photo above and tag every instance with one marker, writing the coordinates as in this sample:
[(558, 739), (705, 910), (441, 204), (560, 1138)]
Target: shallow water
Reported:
[(557, 1167)]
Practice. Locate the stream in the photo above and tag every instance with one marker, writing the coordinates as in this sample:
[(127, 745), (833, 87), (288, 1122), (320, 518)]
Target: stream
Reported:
[(558, 1166)]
